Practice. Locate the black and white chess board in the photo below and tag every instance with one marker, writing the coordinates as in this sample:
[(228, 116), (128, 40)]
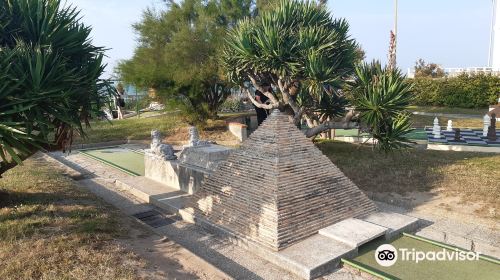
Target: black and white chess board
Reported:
[(473, 137)]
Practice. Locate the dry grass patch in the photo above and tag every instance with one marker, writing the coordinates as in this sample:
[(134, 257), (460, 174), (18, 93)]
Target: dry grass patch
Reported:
[(447, 110), (214, 131), (472, 176), (420, 121), (50, 229), (173, 128)]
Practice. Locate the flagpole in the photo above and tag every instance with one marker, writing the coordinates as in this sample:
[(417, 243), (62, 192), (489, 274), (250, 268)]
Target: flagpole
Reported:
[(395, 25)]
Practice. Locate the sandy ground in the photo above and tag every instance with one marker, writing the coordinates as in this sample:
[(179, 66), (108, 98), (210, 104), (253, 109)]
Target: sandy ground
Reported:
[(438, 204), (164, 258), (160, 257)]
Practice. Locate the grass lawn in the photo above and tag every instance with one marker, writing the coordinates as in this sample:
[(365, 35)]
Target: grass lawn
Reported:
[(447, 110), (172, 127), (420, 121), (129, 129), (175, 131), (473, 176), (51, 229)]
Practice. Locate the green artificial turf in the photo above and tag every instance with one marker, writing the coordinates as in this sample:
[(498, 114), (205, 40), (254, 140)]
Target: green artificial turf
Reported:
[(124, 159), (417, 134), (349, 132), (442, 270)]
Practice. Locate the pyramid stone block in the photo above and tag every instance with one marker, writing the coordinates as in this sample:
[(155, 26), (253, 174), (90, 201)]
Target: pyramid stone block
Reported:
[(353, 232), (278, 188)]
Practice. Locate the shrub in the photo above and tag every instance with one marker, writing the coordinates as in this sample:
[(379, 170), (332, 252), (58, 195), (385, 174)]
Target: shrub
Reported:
[(464, 91), (232, 105), (142, 102), (49, 77)]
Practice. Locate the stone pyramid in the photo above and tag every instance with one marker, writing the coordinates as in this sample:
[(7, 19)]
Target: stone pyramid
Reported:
[(278, 188)]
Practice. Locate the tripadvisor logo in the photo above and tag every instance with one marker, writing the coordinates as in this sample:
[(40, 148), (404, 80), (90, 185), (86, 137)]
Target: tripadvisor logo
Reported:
[(387, 255)]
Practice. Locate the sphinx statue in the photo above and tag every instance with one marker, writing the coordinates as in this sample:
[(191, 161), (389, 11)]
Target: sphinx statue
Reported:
[(160, 149), (194, 138)]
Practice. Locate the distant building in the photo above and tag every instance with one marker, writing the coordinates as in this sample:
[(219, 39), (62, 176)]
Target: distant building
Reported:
[(453, 72), (131, 92)]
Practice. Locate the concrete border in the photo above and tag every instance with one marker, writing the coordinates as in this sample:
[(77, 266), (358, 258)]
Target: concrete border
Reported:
[(83, 146), (463, 148)]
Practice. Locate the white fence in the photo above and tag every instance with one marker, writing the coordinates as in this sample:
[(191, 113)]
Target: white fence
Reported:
[(453, 72)]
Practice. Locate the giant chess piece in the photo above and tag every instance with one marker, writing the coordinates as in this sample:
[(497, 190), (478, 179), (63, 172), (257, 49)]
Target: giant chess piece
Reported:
[(457, 134), (492, 129), (157, 148), (450, 126), (436, 129), (486, 124)]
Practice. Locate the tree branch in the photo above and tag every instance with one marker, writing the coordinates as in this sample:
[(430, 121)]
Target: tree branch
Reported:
[(269, 95), (257, 104), (329, 125), (287, 97), (345, 123)]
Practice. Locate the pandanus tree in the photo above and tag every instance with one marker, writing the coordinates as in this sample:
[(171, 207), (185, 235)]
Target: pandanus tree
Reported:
[(313, 67), (49, 78)]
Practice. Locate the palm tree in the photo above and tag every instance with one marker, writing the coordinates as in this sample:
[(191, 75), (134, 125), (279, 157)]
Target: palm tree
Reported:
[(49, 78), (307, 57)]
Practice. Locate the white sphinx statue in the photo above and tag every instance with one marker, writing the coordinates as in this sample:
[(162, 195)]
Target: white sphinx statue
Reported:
[(160, 149), (194, 138)]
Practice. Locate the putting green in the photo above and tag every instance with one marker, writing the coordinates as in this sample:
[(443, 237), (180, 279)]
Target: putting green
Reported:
[(124, 159), (426, 269), (417, 134)]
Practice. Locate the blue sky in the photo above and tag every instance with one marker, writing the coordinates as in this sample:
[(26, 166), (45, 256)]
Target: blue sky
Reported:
[(454, 33)]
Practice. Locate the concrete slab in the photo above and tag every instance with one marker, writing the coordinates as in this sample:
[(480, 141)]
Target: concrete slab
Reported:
[(353, 232), (396, 223), (315, 256), (153, 192), (165, 197), (205, 157)]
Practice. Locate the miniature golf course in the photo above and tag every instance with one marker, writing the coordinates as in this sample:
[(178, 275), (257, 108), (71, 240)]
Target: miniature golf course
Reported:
[(132, 162), (126, 160), (485, 268)]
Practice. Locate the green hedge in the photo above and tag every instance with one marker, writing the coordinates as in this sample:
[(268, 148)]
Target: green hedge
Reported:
[(464, 91)]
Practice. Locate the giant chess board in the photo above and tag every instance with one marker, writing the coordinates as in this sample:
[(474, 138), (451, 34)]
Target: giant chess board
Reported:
[(473, 137)]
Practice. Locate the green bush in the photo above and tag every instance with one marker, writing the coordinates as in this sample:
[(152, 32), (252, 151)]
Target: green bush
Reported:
[(142, 102), (50, 84), (232, 105), (464, 91)]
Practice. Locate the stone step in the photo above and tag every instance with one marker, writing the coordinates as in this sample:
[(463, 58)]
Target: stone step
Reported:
[(314, 256), (167, 198), (396, 223), (353, 232)]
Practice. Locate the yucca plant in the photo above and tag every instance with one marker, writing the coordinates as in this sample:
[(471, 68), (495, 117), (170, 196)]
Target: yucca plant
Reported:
[(308, 56), (49, 78), (381, 95), (303, 52)]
